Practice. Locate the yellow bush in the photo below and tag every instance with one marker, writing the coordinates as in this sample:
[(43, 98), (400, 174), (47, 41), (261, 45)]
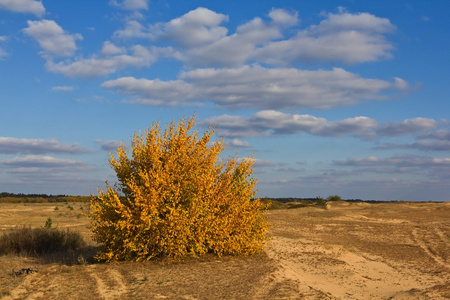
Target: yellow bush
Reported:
[(176, 197)]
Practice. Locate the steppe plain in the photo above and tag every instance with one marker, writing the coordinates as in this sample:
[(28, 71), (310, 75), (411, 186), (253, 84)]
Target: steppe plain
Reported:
[(346, 250)]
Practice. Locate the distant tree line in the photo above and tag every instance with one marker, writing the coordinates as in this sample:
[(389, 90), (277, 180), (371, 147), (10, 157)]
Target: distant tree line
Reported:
[(21, 195), (44, 198), (335, 198), (39, 198), (315, 199)]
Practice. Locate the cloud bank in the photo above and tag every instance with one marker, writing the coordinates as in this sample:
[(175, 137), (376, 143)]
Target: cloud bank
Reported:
[(10, 145), (272, 122), (200, 40), (52, 38), (259, 87), (23, 6)]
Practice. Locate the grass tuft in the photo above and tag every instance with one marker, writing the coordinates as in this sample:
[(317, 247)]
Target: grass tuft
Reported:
[(29, 241)]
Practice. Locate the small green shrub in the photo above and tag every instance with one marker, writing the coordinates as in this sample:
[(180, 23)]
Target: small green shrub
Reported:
[(27, 240), (272, 204), (334, 198), (48, 223), (321, 202)]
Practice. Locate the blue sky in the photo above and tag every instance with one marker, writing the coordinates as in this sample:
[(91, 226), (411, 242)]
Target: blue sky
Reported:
[(331, 97)]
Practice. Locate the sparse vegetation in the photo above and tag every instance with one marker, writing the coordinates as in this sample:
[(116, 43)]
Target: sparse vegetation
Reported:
[(321, 202), (312, 240), (334, 198), (273, 204), (175, 197), (48, 223), (31, 241)]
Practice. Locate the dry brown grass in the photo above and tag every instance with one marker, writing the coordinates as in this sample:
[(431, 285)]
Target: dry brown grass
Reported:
[(348, 251)]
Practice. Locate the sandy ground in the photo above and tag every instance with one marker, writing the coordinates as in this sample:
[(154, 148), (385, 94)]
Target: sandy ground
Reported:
[(347, 251), (362, 251)]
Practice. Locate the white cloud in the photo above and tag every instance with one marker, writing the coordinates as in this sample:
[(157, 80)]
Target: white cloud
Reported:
[(420, 145), (438, 140), (343, 37), (350, 38), (348, 47), (261, 163), (23, 6), (199, 39), (40, 161), (10, 145), (400, 163), (133, 29), (131, 4), (407, 126), (196, 28), (270, 122), (96, 66), (47, 174), (52, 38), (356, 125), (283, 17), (347, 21), (438, 134), (108, 145), (258, 87), (111, 49), (213, 47), (236, 49), (156, 92), (239, 143), (415, 172), (63, 88), (236, 126)]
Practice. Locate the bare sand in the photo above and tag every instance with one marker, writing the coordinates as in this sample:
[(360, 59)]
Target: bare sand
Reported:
[(347, 251), (361, 251)]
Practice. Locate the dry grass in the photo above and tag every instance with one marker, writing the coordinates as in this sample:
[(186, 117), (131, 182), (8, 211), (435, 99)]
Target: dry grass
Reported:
[(28, 241), (348, 251)]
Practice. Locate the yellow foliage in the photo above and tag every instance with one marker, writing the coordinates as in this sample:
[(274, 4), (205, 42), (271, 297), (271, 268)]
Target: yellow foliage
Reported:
[(176, 197)]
